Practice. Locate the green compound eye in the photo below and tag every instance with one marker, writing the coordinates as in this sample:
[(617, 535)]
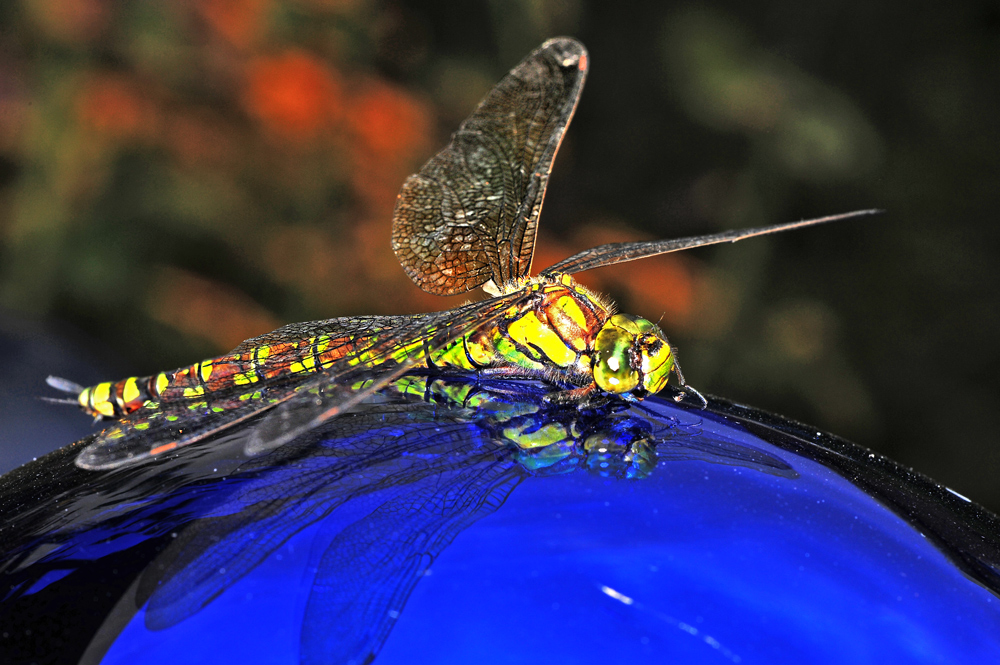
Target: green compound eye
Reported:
[(613, 370), (631, 351), (656, 360)]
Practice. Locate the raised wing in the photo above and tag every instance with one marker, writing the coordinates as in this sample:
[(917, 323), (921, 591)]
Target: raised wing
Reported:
[(470, 214), (619, 252)]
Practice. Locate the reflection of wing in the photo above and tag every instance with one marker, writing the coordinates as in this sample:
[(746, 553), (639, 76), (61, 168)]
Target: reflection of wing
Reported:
[(385, 458), (682, 443), (417, 472), (718, 451), (367, 574), (471, 212), (159, 427), (405, 476)]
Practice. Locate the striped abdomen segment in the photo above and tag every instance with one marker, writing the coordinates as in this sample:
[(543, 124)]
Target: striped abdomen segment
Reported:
[(114, 400), (223, 374)]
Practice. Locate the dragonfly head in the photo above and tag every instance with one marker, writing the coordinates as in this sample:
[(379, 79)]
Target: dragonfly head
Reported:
[(631, 354)]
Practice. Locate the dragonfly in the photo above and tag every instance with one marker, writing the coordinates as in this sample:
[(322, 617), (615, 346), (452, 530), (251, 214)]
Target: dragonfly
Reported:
[(467, 219)]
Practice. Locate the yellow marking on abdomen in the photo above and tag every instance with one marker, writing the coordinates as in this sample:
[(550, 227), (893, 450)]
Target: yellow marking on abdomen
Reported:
[(100, 400), (246, 378), (84, 399), (130, 392), (453, 355), (299, 367), (162, 381), (480, 349)]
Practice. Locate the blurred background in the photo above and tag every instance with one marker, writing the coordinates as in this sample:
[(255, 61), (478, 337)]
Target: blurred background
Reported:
[(176, 177)]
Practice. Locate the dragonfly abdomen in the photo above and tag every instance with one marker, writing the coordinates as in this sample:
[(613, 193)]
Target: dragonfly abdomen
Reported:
[(235, 371), (113, 400)]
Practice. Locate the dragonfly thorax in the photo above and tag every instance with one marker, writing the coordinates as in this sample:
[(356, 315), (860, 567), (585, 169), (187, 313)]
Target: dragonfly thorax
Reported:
[(631, 354), (567, 326)]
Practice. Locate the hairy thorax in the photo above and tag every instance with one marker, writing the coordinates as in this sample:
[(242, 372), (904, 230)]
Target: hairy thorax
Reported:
[(554, 329)]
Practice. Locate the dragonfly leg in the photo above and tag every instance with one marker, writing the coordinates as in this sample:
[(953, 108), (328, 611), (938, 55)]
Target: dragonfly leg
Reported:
[(685, 388), (509, 372), (571, 395), (584, 397)]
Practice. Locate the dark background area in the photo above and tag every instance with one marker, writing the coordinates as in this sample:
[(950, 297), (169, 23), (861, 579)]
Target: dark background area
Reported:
[(176, 177)]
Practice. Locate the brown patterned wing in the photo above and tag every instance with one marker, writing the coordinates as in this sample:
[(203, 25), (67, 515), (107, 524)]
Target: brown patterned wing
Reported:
[(470, 214)]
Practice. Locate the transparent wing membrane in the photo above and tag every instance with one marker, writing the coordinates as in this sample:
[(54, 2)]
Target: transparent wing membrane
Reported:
[(619, 252), (297, 404), (470, 214), (331, 394)]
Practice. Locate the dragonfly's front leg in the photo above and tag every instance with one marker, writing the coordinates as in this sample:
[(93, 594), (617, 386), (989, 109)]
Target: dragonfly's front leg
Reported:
[(685, 388), (584, 397), (513, 372)]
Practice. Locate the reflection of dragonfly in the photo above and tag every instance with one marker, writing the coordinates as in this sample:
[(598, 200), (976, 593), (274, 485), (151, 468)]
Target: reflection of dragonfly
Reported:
[(415, 466), (467, 219)]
